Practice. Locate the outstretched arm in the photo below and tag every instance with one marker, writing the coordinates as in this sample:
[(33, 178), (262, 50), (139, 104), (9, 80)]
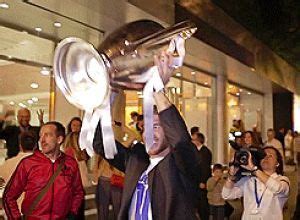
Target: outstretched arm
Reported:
[(120, 157)]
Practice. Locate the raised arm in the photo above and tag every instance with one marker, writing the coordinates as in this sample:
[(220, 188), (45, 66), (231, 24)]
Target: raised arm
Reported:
[(279, 185), (230, 188), (233, 192), (171, 120), (178, 137), (119, 159)]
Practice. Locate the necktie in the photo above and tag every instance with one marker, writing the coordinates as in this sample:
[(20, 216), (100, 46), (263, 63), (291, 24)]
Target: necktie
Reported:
[(142, 200)]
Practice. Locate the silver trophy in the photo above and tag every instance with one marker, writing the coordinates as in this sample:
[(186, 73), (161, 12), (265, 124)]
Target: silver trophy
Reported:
[(85, 75)]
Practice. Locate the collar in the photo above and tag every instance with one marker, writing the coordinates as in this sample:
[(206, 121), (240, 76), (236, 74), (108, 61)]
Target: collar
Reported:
[(154, 160), (199, 147), (41, 154)]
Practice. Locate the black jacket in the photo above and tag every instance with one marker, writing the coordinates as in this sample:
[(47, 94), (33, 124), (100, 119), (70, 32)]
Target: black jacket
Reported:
[(172, 183), (205, 159)]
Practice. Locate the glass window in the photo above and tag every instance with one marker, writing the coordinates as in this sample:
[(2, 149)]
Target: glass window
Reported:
[(246, 106)]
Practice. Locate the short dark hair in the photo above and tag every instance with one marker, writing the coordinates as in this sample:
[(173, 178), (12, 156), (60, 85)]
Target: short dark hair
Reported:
[(217, 166), (194, 130), (140, 118), (200, 137), (60, 129), (69, 129), (134, 114), (28, 140)]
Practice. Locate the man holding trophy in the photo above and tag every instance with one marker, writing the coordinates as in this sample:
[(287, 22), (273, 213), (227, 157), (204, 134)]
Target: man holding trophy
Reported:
[(161, 173), (160, 181)]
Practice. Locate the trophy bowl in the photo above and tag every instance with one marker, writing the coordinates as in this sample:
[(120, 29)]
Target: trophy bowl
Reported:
[(84, 74)]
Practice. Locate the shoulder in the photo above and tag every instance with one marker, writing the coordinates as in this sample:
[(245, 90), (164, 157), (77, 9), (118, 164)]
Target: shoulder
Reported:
[(211, 180), (68, 158), (204, 148), (28, 158), (138, 148), (282, 178), (12, 128), (24, 163), (244, 181), (34, 128)]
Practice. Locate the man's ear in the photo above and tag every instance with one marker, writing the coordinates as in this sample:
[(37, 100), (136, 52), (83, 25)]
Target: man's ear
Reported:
[(60, 140)]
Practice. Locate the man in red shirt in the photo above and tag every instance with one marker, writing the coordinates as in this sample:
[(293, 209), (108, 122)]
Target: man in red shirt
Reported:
[(65, 194)]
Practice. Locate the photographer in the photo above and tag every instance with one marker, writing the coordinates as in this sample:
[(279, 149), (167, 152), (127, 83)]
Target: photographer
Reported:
[(265, 191)]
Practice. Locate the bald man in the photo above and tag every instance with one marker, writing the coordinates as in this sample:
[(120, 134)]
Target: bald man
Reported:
[(11, 133)]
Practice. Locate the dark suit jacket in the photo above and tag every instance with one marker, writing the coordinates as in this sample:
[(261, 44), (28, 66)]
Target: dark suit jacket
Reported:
[(11, 135), (172, 182), (205, 159)]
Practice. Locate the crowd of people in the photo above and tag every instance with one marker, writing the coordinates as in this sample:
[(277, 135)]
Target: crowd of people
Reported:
[(171, 179)]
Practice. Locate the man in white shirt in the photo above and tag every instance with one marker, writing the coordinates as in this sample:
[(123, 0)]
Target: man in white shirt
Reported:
[(28, 141), (272, 141)]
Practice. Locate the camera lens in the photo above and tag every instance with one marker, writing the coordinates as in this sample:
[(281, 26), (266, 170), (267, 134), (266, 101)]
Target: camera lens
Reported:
[(244, 159)]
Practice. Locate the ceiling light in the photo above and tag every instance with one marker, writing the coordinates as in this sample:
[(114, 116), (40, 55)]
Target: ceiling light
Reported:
[(4, 5), (12, 103), (38, 29), (9, 57), (57, 24), (193, 73), (249, 93), (206, 83), (45, 71), (139, 93), (29, 101), (178, 74), (237, 93), (252, 69), (22, 105), (35, 99), (34, 85)]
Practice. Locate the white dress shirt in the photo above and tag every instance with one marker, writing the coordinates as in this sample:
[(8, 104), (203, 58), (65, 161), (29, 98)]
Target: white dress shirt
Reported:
[(153, 162), (273, 195)]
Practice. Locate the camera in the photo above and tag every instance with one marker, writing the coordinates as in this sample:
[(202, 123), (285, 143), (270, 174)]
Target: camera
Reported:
[(233, 135), (241, 157)]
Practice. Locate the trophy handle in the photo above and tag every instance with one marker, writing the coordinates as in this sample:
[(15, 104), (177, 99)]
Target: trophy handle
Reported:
[(163, 37)]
